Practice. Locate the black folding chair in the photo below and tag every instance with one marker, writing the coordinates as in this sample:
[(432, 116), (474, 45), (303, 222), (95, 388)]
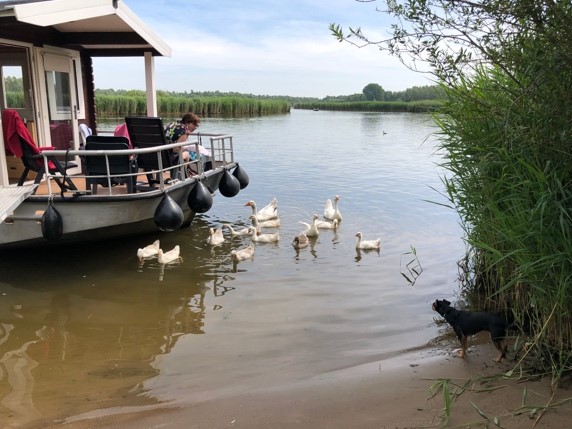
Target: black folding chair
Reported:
[(146, 132), (97, 165)]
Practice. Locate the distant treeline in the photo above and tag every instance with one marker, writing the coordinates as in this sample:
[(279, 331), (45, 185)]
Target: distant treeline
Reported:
[(375, 99), (374, 92), (372, 106)]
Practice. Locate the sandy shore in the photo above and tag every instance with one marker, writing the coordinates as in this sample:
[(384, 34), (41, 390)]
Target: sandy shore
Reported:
[(393, 393)]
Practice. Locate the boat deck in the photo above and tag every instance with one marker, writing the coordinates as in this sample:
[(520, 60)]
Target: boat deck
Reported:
[(81, 184)]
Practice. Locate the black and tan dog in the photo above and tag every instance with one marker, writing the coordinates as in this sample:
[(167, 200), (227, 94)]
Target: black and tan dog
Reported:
[(467, 323)]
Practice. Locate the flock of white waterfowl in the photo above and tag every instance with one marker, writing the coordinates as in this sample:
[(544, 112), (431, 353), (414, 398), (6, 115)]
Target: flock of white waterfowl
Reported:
[(266, 217)]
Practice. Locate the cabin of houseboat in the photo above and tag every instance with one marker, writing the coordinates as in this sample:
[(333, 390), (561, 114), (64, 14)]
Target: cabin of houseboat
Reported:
[(46, 51), (47, 83)]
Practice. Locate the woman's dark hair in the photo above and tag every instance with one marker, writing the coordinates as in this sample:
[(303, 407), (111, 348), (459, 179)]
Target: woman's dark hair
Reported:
[(191, 118)]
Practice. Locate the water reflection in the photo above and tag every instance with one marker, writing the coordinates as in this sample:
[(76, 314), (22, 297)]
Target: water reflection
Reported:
[(359, 253), (85, 333), (16, 370)]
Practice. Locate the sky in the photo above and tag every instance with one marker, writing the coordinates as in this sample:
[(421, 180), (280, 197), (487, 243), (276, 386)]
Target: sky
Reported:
[(261, 47)]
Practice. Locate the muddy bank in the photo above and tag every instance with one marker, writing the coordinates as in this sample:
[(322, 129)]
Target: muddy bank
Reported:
[(393, 393)]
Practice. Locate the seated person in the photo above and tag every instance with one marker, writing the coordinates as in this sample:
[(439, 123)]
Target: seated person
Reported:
[(177, 132)]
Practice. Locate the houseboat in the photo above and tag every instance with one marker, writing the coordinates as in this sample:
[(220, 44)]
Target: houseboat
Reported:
[(61, 179)]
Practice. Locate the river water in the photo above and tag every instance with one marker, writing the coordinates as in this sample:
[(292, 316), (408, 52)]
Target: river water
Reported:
[(90, 328)]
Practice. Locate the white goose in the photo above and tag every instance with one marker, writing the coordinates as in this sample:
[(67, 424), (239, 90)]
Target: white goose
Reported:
[(270, 208), (215, 237), (324, 224), (149, 250), (242, 254), (272, 223), (171, 256), (267, 213), (367, 244), (236, 233), (331, 211), (263, 238), (300, 241), (312, 229)]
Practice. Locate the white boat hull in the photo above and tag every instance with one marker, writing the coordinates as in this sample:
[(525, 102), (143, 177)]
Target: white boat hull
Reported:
[(98, 217)]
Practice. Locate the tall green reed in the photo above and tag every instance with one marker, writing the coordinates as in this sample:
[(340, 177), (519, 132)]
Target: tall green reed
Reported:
[(507, 145), (114, 106)]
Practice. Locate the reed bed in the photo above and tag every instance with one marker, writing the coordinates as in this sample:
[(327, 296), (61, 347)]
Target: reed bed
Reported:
[(507, 146), (114, 106), (372, 106)]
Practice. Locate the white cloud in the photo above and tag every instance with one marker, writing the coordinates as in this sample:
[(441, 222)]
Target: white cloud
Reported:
[(263, 50)]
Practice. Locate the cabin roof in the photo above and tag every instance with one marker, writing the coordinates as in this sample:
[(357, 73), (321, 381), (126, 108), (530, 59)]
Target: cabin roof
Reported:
[(101, 27)]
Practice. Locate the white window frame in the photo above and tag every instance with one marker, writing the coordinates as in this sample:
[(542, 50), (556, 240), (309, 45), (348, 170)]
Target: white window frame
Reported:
[(76, 84)]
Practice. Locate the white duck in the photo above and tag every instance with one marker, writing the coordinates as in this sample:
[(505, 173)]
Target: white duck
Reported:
[(149, 250), (367, 244), (242, 254), (272, 223), (300, 241), (331, 211), (171, 256), (268, 212), (263, 238), (312, 229), (236, 233), (324, 224), (216, 237)]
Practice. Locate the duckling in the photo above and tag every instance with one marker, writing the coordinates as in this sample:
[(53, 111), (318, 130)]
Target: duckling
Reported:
[(236, 233), (324, 224), (215, 237), (300, 241), (171, 256), (271, 223), (149, 250), (263, 238), (331, 210), (312, 229), (242, 254), (367, 244)]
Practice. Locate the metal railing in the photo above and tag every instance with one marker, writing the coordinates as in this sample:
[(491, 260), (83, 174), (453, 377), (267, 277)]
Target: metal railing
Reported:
[(221, 154)]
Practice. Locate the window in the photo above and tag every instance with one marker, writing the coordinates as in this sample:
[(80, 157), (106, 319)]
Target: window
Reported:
[(13, 87)]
